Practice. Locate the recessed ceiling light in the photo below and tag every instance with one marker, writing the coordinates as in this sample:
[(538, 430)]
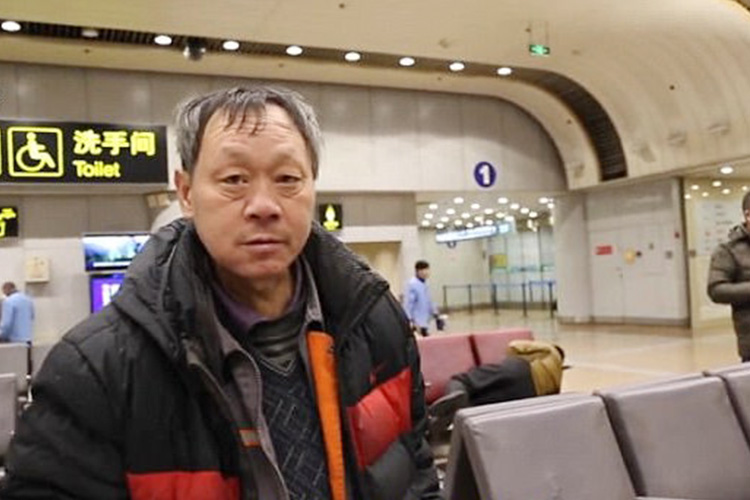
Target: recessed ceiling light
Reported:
[(294, 50), (407, 61), (502, 200), (450, 211), (533, 215), (524, 210), (458, 200), (695, 187), (428, 216), (509, 218), (499, 215), (456, 66), (744, 188), (515, 206), (465, 215), (470, 225), (704, 194), (90, 33), (425, 223), (716, 184), (550, 205), (489, 211), (543, 200), (726, 191), (163, 40), (479, 218), (230, 45), (352, 56), (475, 206), (488, 222), (687, 196), (726, 169), (10, 26), (440, 225), (504, 71), (459, 222), (433, 206), (444, 219)]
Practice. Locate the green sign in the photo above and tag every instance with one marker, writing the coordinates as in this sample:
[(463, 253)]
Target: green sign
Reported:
[(331, 216), (537, 49), (82, 153)]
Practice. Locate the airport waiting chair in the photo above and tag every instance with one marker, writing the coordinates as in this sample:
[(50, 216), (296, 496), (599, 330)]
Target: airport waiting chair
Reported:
[(492, 347), (441, 357), (14, 358), (555, 447), (38, 355), (681, 438), (8, 410), (737, 380)]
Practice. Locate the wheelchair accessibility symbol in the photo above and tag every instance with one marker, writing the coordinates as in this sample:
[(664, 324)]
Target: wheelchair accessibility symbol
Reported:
[(35, 152)]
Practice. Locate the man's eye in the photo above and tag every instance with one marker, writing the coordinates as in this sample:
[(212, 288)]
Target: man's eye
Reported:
[(288, 179), (232, 179)]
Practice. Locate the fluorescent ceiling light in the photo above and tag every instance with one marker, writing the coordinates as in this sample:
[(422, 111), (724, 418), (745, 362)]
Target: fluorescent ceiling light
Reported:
[(450, 211), (230, 45), (407, 61), (294, 50), (10, 26), (502, 200), (726, 169), (428, 216), (458, 200), (456, 66), (352, 56), (163, 40), (433, 206), (504, 71)]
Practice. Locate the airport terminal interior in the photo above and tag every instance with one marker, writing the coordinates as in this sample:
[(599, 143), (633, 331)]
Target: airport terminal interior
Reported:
[(566, 168)]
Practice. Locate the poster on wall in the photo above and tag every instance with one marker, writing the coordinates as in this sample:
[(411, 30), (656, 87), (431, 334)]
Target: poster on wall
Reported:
[(714, 220), (82, 153)]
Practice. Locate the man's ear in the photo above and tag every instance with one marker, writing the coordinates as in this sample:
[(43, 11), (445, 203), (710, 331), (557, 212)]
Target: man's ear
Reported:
[(182, 181)]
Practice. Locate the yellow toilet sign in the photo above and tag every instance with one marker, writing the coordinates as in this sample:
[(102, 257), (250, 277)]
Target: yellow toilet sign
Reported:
[(8, 222), (35, 152), (82, 153), (331, 217)]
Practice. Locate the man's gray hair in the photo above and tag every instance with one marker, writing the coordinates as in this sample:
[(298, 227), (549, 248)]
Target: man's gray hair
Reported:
[(192, 116)]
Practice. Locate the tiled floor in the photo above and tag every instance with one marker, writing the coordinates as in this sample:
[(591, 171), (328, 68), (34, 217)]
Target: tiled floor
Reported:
[(610, 355)]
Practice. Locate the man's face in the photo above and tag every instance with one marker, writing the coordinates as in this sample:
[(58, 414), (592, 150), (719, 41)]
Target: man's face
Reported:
[(251, 196), (747, 218), (424, 273)]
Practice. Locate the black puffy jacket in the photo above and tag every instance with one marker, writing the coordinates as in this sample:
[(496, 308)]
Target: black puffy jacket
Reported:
[(124, 405)]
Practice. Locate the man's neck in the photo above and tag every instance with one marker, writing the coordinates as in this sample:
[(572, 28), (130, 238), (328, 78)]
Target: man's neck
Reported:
[(268, 298)]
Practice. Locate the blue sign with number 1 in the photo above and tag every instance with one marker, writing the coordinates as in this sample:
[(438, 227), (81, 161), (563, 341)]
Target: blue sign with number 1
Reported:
[(485, 174)]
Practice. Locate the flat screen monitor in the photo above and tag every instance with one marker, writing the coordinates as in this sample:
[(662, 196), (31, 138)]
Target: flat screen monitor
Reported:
[(102, 288), (111, 252)]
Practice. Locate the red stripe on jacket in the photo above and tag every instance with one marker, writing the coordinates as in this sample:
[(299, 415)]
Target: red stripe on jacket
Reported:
[(183, 485), (381, 417)]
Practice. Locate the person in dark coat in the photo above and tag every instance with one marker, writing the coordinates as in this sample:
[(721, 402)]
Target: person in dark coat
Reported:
[(248, 354), (729, 278)]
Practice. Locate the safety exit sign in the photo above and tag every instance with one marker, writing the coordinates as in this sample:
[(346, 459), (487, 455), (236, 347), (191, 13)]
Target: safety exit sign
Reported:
[(537, 49)]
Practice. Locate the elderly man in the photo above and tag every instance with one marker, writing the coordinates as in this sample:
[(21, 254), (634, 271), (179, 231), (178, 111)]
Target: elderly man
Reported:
[(248, 354)]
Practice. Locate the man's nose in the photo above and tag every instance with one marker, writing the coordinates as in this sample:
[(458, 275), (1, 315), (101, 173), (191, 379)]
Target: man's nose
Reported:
[(262, 203)]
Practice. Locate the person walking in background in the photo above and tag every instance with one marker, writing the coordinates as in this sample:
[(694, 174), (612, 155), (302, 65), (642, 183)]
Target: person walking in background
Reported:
[(248, 354), (729, 278), (17, 319), (417, 302)]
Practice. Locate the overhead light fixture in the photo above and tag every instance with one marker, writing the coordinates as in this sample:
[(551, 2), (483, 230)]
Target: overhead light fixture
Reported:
[(524, 210), (504, 71), (444, 219), (459, 222), (465, 215), (428, 216), (10, 26), (425, 223), (456, 66), (533, 215), (550, 205), (726, 170), (716, 184), (458, 200), (695, 187), (488, 222), (163, 40), (470, 225), (230, 45), (407, 61), (687, 196), (439, 225), (543, 200), (90, 33), (704, 194), (433, 206), (352, 56), (489, 211), (479, 218), (499, 215), (509, 218), (294, 50), (450, 211), (744, 188), (515, 206), (502, 200), (475, 206), (726, 191)]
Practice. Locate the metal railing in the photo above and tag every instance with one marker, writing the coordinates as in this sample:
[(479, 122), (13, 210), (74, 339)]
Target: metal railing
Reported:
[(548, 300)]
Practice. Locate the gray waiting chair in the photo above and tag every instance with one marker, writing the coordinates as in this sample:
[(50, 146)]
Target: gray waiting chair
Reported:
[(737, 380), (681, 438), (8, 410), (14, 358), (557, 447), (38, 355)]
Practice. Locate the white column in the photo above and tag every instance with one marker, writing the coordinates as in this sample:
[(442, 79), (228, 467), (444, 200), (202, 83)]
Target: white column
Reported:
[(572, 259)]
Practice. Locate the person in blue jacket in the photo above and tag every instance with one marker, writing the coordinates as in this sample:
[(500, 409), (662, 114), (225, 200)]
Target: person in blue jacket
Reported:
[(417, 302), (17, 320)]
